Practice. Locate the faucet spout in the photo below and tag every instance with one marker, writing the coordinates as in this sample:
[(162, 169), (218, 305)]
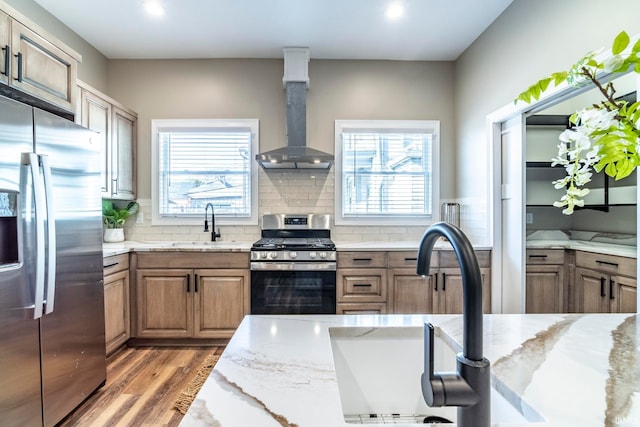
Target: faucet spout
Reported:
[(214, 234), (469, 387)]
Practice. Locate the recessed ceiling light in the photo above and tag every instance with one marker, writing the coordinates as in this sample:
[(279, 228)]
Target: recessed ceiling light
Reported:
[(154, 8), (394, 11)]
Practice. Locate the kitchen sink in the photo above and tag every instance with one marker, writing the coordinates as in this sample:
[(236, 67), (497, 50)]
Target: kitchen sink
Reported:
[(201, 245), (378, 372)]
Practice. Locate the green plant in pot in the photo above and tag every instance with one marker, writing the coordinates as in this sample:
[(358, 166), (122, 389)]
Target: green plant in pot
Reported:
[(114, 218)]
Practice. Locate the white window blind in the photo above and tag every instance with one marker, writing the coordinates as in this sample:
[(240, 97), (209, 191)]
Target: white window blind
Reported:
[(387, 169), (201, 165)]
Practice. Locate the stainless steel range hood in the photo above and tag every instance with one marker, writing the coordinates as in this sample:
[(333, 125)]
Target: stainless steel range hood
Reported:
[(296, 155)]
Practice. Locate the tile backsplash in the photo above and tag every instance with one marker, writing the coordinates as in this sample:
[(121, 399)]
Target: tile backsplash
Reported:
[(304, 192)]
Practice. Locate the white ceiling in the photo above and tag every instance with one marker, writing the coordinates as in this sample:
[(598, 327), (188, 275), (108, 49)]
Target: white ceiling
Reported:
[(332, 29)]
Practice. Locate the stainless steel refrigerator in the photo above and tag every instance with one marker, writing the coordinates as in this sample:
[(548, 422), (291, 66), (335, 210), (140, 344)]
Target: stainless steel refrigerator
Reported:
[(52, 345)]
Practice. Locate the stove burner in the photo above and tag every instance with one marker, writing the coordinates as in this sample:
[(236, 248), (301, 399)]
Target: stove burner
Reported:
[(294, 243)]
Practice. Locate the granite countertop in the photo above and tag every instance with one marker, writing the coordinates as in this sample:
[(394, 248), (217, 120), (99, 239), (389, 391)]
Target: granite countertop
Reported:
[(586, 246), (571, 369), (110, 249)]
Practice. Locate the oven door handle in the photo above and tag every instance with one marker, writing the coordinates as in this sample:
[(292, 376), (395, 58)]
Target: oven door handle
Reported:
[(293, 266)]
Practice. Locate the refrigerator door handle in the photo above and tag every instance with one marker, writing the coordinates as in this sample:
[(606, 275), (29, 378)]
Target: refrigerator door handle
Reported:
[(31, 160), (51, 235)]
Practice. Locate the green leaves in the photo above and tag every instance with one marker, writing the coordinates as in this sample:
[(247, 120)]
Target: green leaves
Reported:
[(114, 217), (620, 43)]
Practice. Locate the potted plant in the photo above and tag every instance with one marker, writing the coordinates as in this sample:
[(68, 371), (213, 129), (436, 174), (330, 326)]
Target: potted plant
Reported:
[(114, 218)]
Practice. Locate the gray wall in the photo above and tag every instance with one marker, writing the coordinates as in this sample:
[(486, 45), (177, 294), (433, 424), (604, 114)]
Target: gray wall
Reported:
[(93, 69), (530, 40), (252, 88)]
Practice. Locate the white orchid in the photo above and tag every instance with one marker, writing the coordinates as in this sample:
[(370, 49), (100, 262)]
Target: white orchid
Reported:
[(604, 137)]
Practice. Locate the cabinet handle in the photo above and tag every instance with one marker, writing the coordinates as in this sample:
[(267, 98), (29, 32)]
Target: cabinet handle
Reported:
[(538, 256), (362, 260), (19, 56), (362, 285), (410, 259), (7, 59), (602, 280), (195, 283), (111, 265), (188, 283), (444, 281), (611, 283), (436, 279), (612, 264)]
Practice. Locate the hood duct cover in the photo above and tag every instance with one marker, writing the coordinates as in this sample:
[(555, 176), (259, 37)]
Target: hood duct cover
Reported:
[(296, 155)]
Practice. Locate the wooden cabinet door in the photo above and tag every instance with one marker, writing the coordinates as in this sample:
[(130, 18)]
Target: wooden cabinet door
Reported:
[(410, 293), (116, 309), (164, 301), (591, 291), (5, 44), (623, 298), (449, 294), (221, 302), (96, 115), (42, 69), (545, 289), (123, 146)]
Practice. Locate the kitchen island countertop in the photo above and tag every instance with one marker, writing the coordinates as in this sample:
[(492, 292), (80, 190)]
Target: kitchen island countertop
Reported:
[(572, 369)]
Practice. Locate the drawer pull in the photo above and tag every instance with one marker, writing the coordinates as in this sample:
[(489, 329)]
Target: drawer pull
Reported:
[(602, 280), (410, 259), (111, 265), (612, 264), (538, 256), (611, 283), (362, 260), (362, 285)]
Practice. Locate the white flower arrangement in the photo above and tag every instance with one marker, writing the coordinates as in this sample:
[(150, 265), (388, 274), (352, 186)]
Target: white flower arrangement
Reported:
[(604, 136)]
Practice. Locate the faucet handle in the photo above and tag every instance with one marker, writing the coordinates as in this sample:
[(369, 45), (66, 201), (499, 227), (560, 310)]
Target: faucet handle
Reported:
[(432, 383), (206, 226)]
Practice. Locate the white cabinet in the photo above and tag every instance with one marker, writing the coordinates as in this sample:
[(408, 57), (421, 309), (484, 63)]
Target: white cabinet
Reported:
[(117, 126)]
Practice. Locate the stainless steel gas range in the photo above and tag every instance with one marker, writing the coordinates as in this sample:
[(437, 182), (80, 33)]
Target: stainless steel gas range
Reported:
[(293, 266)]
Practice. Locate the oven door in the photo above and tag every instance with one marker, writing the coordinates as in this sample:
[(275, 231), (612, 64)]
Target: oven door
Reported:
[(293, 288)]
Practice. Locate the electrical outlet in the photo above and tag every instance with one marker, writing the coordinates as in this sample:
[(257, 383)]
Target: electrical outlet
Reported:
[(139, 218), (529, 218)]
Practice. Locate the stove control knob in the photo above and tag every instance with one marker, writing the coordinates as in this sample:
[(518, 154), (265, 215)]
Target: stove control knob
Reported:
[(293, 255), (263, 254), (273, 255), (323, 255), (312, 255)]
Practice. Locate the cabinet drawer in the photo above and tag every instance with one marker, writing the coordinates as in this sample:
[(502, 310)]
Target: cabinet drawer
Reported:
[(606, 263), (409, 259), (362, 259), (545, 256), (361, 308), (115, 263), (448, 259), (367, 285)]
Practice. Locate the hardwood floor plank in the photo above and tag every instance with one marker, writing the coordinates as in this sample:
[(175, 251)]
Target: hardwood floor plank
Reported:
[(142, 384)]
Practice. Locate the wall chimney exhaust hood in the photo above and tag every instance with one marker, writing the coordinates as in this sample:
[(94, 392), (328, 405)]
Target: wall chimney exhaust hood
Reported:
[(296, 155)]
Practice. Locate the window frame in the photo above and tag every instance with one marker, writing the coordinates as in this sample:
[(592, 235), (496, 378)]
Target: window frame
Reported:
[(163, 125), (428, 126)]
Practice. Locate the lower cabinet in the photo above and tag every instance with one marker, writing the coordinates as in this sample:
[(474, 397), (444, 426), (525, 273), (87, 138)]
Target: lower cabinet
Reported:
[(604, 284), (191, 302), (116, 301), (366, 281), (546, 281)]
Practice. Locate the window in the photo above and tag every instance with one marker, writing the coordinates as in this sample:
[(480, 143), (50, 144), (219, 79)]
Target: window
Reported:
[(386, 171), (196, 162)]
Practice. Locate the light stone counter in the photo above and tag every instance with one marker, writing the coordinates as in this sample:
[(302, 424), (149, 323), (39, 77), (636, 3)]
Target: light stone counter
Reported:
[(585, 245), (374, 246), (109, 249), (573, 370)]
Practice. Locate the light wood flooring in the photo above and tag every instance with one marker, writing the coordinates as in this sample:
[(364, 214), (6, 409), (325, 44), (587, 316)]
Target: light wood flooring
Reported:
[(142, 384)]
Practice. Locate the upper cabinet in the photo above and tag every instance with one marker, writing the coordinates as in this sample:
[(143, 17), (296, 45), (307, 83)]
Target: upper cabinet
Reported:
[(35, 64), (117, 126)]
